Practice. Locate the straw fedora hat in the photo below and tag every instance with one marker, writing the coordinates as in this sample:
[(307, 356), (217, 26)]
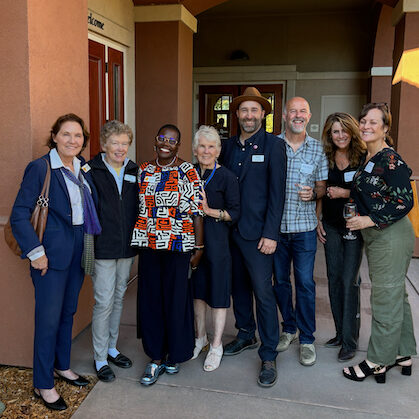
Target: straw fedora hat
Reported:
[(251, 93)]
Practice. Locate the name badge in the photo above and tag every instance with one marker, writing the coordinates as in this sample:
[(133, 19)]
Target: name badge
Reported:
[(130, 178), (150, 179), (369, 167), (258, 158), (349, 176), (306, 168), (85, 168)]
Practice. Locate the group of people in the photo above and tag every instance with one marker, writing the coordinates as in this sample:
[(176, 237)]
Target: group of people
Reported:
[(228, 227)]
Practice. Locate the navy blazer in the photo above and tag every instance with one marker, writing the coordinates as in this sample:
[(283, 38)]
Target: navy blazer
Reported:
[(58, 238), (262, 185)]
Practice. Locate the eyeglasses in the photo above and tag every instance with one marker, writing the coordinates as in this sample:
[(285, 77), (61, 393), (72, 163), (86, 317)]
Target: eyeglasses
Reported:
[(163, 139)]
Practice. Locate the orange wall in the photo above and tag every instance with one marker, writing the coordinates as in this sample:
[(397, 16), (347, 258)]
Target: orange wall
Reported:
[(163, 84), (43, 74)]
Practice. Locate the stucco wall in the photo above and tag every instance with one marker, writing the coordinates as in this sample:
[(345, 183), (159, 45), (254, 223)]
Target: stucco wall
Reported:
[(313, 42), (37, 52)]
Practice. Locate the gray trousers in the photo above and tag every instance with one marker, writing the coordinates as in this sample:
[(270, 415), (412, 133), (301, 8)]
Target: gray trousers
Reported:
[(109, 285), (389, 252)]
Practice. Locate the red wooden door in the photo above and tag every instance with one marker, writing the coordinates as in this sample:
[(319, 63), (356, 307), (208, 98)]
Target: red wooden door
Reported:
[(97, 95), (116, 84)]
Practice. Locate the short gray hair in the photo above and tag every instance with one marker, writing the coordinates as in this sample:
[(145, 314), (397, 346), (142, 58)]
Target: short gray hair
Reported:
[(115, 128), (210, 133)]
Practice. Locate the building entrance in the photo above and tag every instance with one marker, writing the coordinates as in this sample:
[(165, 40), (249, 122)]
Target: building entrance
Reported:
[(214, 107), (106, 89)]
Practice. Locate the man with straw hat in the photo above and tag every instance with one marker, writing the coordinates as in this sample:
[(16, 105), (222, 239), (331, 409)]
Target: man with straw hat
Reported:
[(259, 161)]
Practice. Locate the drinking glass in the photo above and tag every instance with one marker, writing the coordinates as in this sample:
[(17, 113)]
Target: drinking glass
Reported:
[(349, 211)]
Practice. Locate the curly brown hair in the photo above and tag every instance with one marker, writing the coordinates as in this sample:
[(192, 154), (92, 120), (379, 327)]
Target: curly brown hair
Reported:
[(350, 125), (55, 129)]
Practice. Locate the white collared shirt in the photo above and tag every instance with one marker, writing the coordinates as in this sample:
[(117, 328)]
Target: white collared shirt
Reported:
[(73, 192)]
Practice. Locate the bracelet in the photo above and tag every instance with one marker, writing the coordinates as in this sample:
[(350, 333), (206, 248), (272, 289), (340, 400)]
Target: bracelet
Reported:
[(199, 247)]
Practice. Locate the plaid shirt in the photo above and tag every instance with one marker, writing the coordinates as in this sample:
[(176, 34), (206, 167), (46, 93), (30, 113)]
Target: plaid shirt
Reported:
[(305, 166)]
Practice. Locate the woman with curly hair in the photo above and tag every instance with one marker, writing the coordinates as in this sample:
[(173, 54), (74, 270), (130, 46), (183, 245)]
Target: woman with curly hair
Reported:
[(383, 195), (344, 150)]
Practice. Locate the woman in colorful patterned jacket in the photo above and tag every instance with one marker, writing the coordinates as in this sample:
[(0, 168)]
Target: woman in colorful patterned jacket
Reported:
[(169, 233), (383, 195)]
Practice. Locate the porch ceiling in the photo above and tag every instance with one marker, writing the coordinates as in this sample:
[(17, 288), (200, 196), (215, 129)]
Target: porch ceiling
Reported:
[(250, 7), (267, 7)]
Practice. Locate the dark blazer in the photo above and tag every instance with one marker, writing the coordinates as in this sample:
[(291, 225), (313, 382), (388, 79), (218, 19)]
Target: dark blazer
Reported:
[(59, 233), (117, 213), (262, 185)]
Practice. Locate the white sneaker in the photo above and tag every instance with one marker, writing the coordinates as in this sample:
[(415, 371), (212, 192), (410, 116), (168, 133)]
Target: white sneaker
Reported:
[(201, 344), (213, 359), (307, 354), (285, 341)]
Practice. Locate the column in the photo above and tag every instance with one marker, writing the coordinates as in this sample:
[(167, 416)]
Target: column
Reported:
[(405, 90), (164, 47), (43, 74)]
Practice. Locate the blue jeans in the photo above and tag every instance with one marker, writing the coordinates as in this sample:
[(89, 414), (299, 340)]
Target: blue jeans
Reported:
[(300, 248), (343, 258)]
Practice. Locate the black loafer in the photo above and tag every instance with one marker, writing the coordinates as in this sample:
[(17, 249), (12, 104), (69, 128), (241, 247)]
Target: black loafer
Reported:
[(334, 342), (120, 361), (59, 404), (268, 374), (345, 355), (105, 374), (77, 382), (238, 345)]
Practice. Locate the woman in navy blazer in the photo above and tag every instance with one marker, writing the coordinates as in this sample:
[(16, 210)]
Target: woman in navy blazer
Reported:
[(56, 263)]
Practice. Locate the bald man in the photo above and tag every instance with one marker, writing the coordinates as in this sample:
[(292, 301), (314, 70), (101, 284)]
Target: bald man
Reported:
[(307, 171)]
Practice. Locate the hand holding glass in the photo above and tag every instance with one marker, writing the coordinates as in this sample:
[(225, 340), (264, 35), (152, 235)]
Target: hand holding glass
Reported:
[(349, 211)]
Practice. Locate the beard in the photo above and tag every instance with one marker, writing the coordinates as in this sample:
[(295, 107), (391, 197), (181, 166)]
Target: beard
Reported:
[(297, 129), (250, 125)]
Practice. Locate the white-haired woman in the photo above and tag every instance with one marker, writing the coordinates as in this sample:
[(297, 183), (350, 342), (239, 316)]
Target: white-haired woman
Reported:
[(212, 278)]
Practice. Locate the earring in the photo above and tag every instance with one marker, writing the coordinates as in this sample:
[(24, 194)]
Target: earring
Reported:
[(155, 148)]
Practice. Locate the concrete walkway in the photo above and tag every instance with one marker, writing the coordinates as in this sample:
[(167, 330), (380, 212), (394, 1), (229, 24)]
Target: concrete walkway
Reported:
[(231, 391)]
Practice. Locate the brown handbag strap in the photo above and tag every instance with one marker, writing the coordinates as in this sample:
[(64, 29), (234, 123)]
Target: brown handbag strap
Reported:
[(47, 181)]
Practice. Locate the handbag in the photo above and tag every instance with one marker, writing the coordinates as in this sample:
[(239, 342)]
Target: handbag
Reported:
[(414, 212), (38, 218)]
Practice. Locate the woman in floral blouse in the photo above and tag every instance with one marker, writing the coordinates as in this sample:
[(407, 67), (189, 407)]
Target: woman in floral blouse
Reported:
[(169, 233), (383, 195)]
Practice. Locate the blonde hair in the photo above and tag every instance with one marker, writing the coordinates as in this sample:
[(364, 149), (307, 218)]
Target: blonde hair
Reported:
[(350, 125)]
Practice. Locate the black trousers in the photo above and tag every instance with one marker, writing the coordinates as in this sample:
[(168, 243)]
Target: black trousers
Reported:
[(252, 276), (165, 305)]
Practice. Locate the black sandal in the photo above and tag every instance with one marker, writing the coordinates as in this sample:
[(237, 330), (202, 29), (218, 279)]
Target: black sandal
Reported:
[(406, 369), (380, 377)]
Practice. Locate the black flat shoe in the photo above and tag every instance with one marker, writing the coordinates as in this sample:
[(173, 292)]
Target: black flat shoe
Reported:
[(59, 404), (120, 361), (239, 345), (268, 374), (345, 355), (380, 377), (105, 374), (334, 342), (77, 382)]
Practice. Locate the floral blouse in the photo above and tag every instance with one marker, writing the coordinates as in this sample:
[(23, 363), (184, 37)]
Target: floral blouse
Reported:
[(381, 188), (169, 198)]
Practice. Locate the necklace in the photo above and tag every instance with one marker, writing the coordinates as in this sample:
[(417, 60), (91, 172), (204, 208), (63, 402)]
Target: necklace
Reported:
[(162, 166)]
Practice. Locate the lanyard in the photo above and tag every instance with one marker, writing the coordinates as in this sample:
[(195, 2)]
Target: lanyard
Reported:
[(208, 179)]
